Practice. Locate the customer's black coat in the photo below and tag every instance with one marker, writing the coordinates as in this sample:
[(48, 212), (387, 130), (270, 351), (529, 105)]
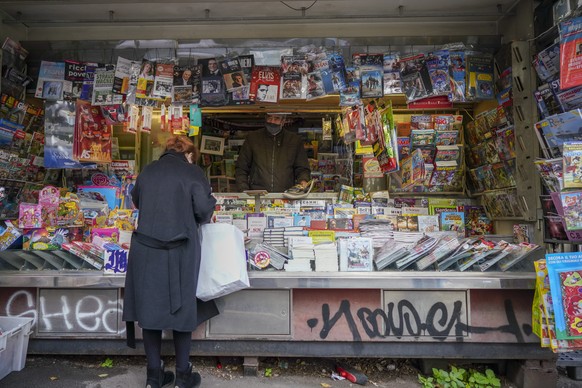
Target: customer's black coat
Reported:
[(173, 198)]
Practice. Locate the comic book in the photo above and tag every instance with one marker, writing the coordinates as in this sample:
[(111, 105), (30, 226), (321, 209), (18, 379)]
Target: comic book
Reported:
[(476, 221), (572, 205), (403, 143), (412, 169), (428, 153), (479, 77), (450, 153), (438, 64), (265, 84), (443, 174), (421, 137), (572, 170), (446, 138), (505, 143), (453, 221), (570, 51)]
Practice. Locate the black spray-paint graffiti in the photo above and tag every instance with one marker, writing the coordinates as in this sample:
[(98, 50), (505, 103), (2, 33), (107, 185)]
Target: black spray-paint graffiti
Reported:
[(437, 324)]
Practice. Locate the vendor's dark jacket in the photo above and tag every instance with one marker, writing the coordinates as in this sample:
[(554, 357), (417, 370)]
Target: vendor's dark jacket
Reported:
[(272, 163), (173, 198)]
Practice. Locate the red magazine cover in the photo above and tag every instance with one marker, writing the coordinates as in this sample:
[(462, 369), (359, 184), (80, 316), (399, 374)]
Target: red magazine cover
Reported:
[(92, 134), (265, 84), (571, 53)]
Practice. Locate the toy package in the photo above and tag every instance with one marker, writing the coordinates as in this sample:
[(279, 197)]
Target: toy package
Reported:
[(49, 239), (29, 216)]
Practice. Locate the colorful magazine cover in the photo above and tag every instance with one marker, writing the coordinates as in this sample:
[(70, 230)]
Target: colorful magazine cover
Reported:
[(92, 134), (74, 76), (570, 53), (565, 275), (572, 170), (572, 205)]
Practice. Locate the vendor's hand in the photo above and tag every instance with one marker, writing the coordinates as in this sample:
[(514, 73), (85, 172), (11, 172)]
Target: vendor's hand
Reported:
[(304, 184)]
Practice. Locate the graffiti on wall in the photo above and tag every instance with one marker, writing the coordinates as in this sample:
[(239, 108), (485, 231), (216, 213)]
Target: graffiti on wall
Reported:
[(403, 319)]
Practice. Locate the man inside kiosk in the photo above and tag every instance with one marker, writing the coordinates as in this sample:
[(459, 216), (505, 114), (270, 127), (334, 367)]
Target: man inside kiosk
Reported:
[(274, 159)]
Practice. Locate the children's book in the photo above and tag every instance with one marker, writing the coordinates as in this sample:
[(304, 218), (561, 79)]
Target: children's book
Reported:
[(446, 138), (572, 205), (572, 170), (454, 222), (420, 137), (450, 153)]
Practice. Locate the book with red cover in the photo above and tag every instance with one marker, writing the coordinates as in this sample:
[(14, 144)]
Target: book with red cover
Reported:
[(265, 84)]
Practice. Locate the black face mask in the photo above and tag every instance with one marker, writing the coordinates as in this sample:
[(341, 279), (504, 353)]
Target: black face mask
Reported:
[(273, 129)]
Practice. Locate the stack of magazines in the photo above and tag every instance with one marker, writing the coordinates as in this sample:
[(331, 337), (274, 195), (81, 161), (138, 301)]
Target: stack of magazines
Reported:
[(378, 230), (395, 248)]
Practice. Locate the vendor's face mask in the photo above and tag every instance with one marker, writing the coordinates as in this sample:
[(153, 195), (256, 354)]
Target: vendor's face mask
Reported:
[(274, 129)]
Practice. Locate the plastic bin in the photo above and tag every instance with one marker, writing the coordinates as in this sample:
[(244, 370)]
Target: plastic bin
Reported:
[(13, 343)]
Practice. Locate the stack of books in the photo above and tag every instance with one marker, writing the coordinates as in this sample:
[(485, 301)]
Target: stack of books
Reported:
[(292, 231), (326, 258), (301, 252), (274, 236)]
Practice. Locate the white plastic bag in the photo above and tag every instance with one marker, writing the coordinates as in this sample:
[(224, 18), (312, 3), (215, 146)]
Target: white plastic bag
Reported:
[(223, 267)]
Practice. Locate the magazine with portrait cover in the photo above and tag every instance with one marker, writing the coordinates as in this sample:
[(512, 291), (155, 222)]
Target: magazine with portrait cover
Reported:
[(145, 79), (391, 68), (232, 73), (265, 83), (416, 83), (74, 76), (122, 75), (163, 80), (103, 87), (213, 91), (570, 52)]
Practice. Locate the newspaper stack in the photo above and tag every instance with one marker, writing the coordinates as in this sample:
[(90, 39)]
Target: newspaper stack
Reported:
[(326, 258), (301, 252), (277, 258), (395, 248), (378, 230)]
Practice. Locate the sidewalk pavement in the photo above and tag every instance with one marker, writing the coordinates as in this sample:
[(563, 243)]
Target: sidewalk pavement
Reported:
[(129, 372)]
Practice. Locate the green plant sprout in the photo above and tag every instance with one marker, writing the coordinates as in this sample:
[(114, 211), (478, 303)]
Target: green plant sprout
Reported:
[(459, 378)]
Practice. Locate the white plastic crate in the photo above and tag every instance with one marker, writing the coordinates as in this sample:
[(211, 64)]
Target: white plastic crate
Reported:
[(13, 343)]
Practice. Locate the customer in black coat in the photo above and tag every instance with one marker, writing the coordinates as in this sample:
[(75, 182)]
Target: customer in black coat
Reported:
[(173, 197)]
